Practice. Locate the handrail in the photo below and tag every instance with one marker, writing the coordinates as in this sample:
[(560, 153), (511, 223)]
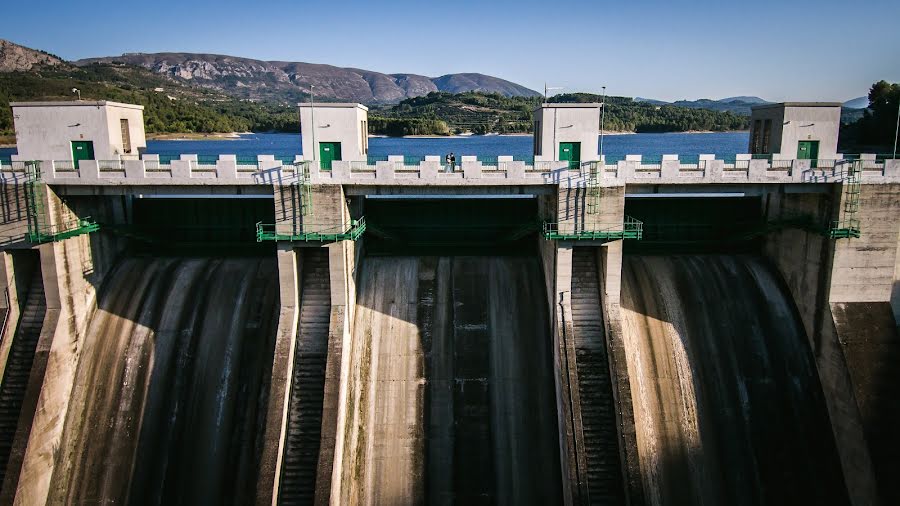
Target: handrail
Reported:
[(629, 228), (311, 231)]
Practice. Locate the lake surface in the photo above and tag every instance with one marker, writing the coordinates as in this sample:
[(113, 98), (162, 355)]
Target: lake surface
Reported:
[(614, 146)]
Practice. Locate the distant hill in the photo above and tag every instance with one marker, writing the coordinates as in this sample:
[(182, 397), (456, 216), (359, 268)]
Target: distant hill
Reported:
[(745, 99), (736, 105), (857, 103), (288, 82), (16, 58), (439, 113)]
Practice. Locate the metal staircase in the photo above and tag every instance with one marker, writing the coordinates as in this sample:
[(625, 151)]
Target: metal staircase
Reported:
[(18, 369), (592, 188), (301, 454), (598, 405), (847, 227), (304, 187), (40, 229)]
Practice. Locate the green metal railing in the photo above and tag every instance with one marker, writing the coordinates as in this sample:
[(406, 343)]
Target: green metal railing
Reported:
[(40, 230), (592, 188), (247, 161), (310, 232), (303, 185), (630, 228), (286, 159), (847, 227)]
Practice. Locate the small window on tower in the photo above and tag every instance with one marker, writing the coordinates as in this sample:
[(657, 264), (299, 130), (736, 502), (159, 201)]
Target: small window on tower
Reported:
[(126, 136), (364, 137), (537, 138), (767, 135), (755, 140)]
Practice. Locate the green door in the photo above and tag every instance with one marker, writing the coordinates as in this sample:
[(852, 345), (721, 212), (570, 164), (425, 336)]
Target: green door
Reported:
[(570, 152), (82, 150), (808, 150), (329, 152)]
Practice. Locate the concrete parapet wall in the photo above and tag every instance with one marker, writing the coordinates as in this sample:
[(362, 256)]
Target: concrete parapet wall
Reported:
[(229, 170)]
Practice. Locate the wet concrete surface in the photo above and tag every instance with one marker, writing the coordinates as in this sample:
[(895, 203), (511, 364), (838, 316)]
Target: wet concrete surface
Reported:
[(728, 405), (172, 385), (457, 405)]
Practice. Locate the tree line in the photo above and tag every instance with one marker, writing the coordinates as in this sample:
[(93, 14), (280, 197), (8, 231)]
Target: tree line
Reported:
[(184, 109), (875, 130)]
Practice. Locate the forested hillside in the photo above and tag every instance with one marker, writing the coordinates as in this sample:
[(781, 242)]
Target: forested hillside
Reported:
[(484, 113)]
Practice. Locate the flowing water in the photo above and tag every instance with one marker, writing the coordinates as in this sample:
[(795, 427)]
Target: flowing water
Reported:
[(170, 395), (453, 384), (728, 405)]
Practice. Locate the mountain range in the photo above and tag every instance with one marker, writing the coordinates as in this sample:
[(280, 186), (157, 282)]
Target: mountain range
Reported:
[(852, 109), (288, 82)]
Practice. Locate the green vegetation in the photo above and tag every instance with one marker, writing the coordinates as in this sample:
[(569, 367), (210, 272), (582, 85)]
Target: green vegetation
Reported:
[(623, 114), (875, 130), (179, 108), (482, 113), (176, 109)]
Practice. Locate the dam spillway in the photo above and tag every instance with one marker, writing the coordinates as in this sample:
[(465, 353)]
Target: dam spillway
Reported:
[(727, 401), (400, 331), (455, 392), (172, 384)]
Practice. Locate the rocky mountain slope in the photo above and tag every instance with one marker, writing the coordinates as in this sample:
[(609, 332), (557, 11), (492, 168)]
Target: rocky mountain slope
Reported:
[(16, 58), (291, 81)]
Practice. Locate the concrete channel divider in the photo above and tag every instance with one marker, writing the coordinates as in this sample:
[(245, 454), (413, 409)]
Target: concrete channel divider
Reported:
[(290, 266)]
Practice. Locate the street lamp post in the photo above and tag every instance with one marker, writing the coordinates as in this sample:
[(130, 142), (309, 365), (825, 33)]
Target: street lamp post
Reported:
[(602, 116), (897, 128), (312, 112)]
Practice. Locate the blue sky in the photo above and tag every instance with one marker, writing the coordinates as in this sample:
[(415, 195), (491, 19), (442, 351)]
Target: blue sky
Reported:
[(779, 50)]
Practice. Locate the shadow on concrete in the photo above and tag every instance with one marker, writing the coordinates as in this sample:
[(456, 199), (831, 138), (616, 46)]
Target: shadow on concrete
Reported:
[(462, 398), (871, 344), (171, 390), (728, 404)]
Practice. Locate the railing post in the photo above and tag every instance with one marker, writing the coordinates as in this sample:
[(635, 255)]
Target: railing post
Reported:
[(181, 169), (892, 168), (670, 167), (428, 170), (134, 169), (88, 170), (384, 171), (713, 169), (471, 167), (226, 167)]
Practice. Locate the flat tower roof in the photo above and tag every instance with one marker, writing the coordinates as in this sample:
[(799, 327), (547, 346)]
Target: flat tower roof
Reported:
[(574, 105), (75, 103), (333, 104), (797, 104)]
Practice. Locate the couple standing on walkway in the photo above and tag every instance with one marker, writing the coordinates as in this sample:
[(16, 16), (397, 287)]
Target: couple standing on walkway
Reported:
[(450, 162)]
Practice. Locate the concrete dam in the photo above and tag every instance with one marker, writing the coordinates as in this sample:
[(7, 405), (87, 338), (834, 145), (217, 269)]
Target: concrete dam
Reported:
[(394, 332)]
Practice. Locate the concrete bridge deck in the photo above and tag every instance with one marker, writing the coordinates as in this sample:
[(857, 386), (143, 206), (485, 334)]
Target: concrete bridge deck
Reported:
[(669, 170)]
